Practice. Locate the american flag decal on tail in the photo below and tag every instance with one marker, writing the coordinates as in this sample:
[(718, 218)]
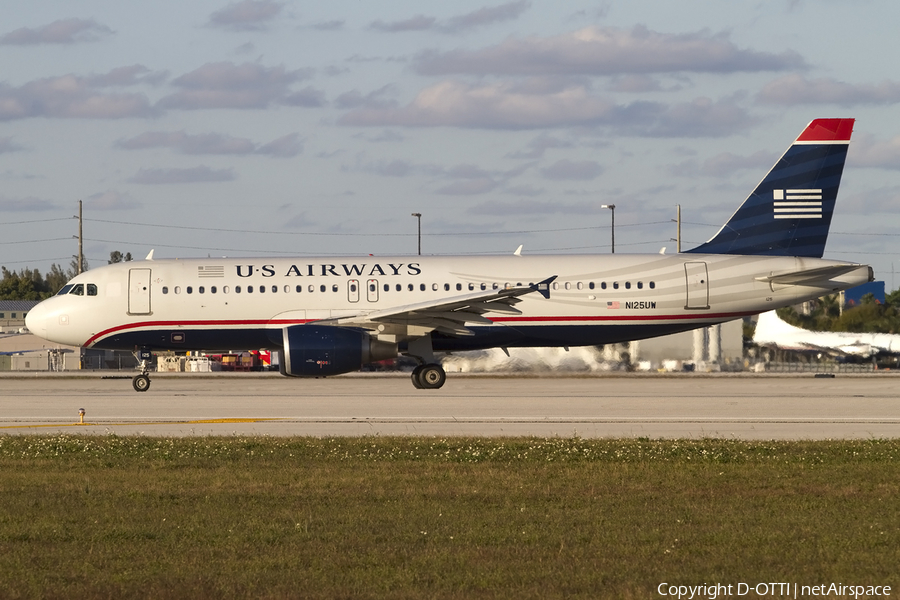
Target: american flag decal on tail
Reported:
[(797, 204)]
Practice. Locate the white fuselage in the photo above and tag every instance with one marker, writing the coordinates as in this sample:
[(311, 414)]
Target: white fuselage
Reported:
[(221, 304)]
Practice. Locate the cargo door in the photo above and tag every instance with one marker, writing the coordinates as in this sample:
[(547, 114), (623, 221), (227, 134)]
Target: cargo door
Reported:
[(139, 291), (697, 279)]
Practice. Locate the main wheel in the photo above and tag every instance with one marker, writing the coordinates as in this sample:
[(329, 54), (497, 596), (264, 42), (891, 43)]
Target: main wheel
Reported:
[(415, 377), (431, 377), (141, 383)]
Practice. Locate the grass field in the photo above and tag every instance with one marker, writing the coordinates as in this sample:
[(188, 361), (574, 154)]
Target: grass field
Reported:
[(120, 517)]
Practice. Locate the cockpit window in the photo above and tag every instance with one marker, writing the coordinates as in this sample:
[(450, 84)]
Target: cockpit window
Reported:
[(78, 289), (64, 290), (91, 289)]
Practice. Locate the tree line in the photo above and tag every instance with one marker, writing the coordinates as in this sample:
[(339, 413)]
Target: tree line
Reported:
[(31, 284), (867, 317)]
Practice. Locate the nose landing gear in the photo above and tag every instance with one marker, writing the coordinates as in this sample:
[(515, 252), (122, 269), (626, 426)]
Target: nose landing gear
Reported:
[(141, 383)]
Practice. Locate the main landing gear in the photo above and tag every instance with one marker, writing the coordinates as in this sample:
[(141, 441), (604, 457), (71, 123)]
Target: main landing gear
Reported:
[(141, 383), (428, 377)]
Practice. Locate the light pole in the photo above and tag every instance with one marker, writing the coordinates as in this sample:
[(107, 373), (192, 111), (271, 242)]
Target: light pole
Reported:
[(612, 210), (419, 217)]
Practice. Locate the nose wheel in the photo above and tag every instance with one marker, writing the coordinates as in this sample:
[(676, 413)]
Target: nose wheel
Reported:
[(141, 383)]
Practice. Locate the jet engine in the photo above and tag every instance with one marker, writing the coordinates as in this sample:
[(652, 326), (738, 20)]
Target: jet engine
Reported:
[(321, 350)]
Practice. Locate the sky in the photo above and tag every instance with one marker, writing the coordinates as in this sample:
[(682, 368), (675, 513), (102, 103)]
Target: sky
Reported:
[(267, 128)]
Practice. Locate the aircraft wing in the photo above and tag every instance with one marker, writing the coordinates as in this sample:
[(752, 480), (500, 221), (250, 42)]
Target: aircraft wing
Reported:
[(446, 315)]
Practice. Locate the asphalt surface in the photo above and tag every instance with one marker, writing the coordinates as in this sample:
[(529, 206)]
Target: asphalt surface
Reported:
[(655, 406)]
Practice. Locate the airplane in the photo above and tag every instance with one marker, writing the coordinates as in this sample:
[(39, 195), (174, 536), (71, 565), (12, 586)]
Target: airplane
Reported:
[(332, 315), (772, 331)]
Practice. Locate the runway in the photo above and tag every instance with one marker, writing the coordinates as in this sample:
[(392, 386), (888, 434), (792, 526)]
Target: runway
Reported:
[(747, 406)]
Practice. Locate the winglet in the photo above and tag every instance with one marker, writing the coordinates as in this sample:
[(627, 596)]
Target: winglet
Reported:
[(543, 287), (150, 256), (518, 251)]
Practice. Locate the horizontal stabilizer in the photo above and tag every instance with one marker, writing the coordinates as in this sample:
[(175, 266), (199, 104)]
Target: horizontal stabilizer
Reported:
[(820, 277)]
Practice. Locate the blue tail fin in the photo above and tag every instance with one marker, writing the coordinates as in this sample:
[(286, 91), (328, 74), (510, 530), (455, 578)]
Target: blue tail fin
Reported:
[(789, 212)]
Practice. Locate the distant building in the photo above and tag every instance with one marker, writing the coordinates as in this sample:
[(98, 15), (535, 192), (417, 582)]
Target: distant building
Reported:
[(12, 314)]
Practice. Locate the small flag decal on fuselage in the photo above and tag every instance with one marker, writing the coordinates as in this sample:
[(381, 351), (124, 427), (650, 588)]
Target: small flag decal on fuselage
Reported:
[(797, 204), (612, 305)]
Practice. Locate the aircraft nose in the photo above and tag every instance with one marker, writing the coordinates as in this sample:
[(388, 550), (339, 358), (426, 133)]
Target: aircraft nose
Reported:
[(36, 320)]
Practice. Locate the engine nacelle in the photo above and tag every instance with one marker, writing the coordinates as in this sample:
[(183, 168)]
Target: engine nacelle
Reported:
[(320, 350)]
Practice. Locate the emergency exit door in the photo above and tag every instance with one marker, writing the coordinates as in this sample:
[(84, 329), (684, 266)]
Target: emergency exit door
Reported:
[(139, 291)]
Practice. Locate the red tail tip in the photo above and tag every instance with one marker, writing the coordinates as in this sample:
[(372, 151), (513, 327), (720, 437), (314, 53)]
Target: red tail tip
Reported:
[(827, 130)]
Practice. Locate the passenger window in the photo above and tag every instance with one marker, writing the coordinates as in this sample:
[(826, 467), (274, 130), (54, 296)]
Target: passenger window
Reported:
[(352, 288), (237, 289), (201, 289), (399, 288), (334, 287), (640, 285), (446, 287), (615, 285), (412, 287), (434, 287), (322, 288), (591, 285), (300, 289), (165, 290), (287, 289), (652, 285), (262, 289), (421, 287), (311, 288), (603, 285), (627, 285), (178, 289), (249, 289), (226, 289), (568, 285), (555, 285), (458, 287), (212, 290), (580, 286), (275, 288), (483, 286), (387, 287)]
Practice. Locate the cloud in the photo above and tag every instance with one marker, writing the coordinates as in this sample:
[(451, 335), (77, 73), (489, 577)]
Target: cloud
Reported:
[(329, 25), (417, 23), (533, 207), (607, 51), (70, 96), (539, 145), (110, 200), (8, 145), (486, 16), (125, 76), (796, 89), (308, 97), (565, 169), (505, 105), (212, 143), (724, 164), (248, 15), (64, 31), (28, 204), (227, 85), (866, 151), (466, 22), (284, 147), (468, 187), (201, 174), (489, 106)]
